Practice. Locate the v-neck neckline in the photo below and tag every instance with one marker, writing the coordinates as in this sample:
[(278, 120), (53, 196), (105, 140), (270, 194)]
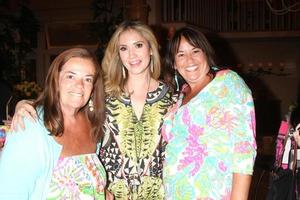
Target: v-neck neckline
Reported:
[(143, 109), (180, 101), (129, 102)]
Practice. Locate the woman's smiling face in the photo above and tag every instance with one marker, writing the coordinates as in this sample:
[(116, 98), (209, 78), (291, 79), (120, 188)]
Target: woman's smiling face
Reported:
[(191, 62), (76, 83), (134, 52)]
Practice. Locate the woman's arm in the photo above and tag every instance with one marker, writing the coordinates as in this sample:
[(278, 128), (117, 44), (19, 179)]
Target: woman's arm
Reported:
[(243, 139), (23, 109), (18, 165), (109, 196), (296, 134), (240, 186)]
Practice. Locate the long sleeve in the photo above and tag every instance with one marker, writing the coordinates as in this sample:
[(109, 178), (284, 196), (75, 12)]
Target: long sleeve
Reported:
[(25, 163)]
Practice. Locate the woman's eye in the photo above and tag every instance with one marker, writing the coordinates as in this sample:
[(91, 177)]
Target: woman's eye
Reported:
[(90, 80), (196, 51), (180, 54), (122, 48), (70, 76), (139, 45)]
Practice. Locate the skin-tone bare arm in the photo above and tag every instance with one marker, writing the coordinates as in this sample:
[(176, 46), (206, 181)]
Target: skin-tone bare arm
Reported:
[(109, 196), (23, 109), (296, 134), (240, 186)]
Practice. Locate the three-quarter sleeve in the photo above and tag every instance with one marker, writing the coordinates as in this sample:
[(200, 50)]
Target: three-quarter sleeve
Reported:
[(243, 133)]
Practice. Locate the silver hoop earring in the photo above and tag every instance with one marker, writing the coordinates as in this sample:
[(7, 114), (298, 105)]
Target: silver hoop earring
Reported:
[(123, 72), (91, 105), (176, 81)]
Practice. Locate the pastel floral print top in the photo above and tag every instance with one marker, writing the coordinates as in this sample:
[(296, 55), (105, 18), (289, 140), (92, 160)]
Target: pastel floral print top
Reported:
[(208, 139), (132, 150), (78, 177)]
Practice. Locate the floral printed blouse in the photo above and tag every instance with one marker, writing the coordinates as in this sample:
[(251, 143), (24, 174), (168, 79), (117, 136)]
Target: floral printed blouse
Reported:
[(210, 138), (78, 177), (132, 149)]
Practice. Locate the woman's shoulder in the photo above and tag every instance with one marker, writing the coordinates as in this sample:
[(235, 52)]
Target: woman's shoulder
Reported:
[(233, 81), (225, 72), (163, 92), (229, 75), (112, 101), (34, 128)]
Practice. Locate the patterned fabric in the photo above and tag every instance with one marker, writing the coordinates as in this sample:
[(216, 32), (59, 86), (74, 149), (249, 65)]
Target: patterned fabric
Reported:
[(132, 150), (210, 138), (78, 177)]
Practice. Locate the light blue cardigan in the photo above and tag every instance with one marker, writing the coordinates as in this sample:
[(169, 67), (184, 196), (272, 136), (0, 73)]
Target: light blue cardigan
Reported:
[(27, 161)]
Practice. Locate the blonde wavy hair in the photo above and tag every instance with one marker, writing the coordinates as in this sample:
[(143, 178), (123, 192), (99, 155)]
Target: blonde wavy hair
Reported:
[(112, 64)]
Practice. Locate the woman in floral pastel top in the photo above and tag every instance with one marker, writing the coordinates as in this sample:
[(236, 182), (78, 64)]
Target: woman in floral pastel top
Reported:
[(210, 132)]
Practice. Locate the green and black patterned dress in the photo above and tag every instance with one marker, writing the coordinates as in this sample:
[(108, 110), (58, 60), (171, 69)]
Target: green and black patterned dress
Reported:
[(132, 149)]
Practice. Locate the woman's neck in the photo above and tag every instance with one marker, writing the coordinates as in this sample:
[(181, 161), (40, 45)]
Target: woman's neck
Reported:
[(138, 83), (69, 112), (194, 89), (70, 119)]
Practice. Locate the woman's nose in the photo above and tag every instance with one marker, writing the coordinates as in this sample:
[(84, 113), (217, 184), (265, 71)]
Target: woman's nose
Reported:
[(189, 58), (79, 82), (132, 53)]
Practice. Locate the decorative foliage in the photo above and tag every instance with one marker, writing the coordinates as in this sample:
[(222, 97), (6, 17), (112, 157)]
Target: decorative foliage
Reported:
[(27, 90)]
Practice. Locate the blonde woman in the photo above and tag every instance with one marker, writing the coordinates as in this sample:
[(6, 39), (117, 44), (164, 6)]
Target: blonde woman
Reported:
[(132, 149)]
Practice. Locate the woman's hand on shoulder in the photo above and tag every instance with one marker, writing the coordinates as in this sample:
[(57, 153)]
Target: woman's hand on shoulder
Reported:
[(23, 109)]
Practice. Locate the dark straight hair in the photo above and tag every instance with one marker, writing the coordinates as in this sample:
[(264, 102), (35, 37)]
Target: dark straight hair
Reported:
[(195, 38)]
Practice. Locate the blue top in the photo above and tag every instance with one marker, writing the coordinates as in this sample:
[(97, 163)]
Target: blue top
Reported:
[(27, 161)]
